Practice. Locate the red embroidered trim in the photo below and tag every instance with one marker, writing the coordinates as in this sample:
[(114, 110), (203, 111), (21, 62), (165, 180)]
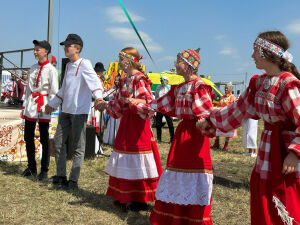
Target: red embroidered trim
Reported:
[(78, 67), (40, 71)]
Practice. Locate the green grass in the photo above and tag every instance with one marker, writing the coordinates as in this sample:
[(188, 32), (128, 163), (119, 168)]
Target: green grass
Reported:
[(27, 201)]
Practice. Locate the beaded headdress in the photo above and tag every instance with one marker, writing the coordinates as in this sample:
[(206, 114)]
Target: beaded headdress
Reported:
[(191, 57), (269, 46), (135, 59)]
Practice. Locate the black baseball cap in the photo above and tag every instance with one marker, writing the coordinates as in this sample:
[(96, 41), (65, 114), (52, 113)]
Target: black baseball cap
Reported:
[(44, 44), (72, 39), (99, 67)]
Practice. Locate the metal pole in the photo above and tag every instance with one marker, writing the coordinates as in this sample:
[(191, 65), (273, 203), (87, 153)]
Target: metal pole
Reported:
[(50, 24), (21, 59)]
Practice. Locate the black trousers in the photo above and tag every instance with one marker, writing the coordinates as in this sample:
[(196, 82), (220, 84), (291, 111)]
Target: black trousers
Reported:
[(159, 125), (30, 146)]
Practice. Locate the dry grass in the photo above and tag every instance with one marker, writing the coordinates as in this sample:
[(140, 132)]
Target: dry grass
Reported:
[(26, 201)]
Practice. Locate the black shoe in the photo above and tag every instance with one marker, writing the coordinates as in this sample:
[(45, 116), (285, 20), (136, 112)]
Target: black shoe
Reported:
[(28, 172), (117, 203), (138, 206), (122, 206), (72, 185), (43, 175), (59, 180)]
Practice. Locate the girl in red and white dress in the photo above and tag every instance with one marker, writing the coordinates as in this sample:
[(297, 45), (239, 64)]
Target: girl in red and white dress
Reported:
[(273, 97), (134, 166), (184, 191)]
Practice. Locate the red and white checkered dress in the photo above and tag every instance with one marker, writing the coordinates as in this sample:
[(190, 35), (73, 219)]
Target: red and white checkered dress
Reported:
[(183, 194), (275, 100), (134, 166)]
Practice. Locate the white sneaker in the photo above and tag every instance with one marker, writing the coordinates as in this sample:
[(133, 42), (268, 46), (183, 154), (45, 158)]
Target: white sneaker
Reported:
[(253, 155), (247, 153)]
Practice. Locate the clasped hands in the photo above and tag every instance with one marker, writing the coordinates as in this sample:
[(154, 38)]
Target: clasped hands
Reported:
[(100, 104), (202, 123)]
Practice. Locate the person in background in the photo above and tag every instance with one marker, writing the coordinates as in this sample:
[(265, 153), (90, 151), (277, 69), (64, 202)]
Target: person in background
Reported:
[(99, 69), (225, 100), (42, 87), (161, 90), (79, 84), (238, 93), (53, 61), (12, 85), (250, 137), (112, 123), (22, 84)]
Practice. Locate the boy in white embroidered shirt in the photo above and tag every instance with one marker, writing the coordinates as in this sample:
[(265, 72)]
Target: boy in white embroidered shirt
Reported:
[(80, 82), (42, 87)]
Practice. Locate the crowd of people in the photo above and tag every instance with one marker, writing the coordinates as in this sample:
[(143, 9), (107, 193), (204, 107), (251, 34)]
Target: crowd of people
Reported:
[(183, 190)]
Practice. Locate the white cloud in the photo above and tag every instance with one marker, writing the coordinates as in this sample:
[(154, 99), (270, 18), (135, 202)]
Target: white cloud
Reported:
[(117, 15), (243, 67), (219, 37), (294, 27), (129, 38), (229, 51)]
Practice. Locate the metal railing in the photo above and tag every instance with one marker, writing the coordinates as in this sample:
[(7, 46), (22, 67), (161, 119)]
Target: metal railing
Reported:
[(15, 67)]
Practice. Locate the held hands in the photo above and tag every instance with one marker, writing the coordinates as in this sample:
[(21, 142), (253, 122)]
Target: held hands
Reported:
[(202, 123), (100, 104), (48, 109), (290, 163)]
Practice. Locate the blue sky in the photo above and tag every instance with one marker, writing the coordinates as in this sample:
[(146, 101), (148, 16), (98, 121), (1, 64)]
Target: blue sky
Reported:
[(224, 30)]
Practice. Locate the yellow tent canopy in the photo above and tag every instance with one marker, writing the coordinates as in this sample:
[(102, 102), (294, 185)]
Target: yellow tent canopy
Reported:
[(177, 79)]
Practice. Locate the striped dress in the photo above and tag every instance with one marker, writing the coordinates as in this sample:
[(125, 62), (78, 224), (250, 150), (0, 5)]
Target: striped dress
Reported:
[(276, 101)]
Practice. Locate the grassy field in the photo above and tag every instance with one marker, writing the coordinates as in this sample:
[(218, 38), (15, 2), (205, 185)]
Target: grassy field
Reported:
[(27, 201)]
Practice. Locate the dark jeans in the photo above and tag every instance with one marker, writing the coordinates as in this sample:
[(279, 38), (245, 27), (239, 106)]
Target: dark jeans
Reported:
[(159, 125), (30, 146)]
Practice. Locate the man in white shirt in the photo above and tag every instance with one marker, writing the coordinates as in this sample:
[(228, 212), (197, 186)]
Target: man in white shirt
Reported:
[(79, 84), (161, 90), (42, 87)]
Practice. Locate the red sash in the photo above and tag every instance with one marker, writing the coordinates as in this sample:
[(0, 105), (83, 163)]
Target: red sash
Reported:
[(39, 100)]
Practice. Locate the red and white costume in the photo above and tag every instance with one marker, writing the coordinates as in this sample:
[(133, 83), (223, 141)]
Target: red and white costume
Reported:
[(275, 100), (184, 191), (134, 166), (42, 87)]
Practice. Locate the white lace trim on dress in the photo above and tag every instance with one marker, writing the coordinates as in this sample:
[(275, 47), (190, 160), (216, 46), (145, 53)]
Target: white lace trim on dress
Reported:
[(185, 188), (132, 166)]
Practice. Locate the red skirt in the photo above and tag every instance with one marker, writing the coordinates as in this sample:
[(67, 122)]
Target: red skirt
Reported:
[(263, 211), (172, 214), (127, 191), (134, 137), (190, 149)]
